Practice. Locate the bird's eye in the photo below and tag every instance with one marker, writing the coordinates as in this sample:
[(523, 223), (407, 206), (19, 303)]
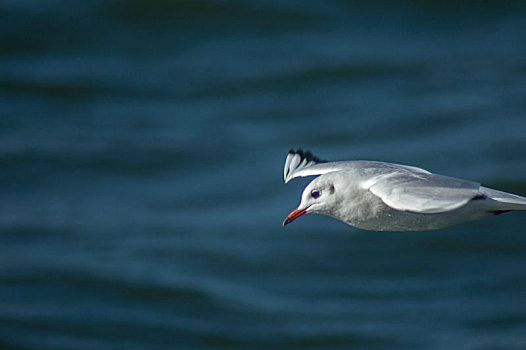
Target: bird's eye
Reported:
[(315, 193)]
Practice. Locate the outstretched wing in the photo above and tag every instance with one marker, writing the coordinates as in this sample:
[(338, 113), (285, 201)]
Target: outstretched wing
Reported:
[(302, 164), (423, 193)]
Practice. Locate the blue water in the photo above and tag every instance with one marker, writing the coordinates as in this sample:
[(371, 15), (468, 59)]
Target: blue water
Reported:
[(141, 154)]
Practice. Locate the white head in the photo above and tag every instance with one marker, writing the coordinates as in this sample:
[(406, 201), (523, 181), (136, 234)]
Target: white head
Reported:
[(318, 197)]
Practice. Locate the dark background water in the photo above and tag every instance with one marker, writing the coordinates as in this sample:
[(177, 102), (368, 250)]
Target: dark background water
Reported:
[(141, 154)]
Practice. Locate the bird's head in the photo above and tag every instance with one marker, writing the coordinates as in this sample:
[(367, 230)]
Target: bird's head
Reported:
[(318, 197)]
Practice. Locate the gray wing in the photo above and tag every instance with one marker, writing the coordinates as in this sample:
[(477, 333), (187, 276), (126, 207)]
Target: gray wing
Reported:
[(302, 164), (423, 193)]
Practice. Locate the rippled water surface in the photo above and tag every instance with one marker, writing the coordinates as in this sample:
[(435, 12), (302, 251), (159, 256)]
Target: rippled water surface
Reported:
[(141, 154)]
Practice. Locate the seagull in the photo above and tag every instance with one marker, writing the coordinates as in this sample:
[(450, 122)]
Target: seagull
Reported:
[(381, 196)]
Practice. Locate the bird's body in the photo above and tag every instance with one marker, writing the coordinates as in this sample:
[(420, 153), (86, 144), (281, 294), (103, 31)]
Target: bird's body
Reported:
[(391, 197)]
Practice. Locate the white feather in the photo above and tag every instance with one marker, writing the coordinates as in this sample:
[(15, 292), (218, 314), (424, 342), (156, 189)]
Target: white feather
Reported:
[(424, 193)]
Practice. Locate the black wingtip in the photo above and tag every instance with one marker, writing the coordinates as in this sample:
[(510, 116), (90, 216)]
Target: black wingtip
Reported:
[(306, 155)]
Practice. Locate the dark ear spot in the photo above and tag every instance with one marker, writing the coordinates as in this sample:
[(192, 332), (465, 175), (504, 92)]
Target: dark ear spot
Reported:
[(331, 189)]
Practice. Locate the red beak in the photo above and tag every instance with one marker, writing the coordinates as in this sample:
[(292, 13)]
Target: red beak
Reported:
[(294, 215)]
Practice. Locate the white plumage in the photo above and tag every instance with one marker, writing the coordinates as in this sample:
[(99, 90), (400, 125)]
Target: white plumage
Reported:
[(384, 196)]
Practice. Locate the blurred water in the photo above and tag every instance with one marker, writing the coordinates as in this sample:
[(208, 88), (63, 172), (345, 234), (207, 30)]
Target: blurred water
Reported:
[(141, 153)]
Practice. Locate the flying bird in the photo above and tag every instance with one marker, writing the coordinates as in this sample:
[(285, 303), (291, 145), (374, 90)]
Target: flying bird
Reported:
[(383, 196)]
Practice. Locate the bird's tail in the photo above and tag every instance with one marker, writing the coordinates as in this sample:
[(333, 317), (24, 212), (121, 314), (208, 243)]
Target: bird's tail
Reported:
[(504, 201)]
